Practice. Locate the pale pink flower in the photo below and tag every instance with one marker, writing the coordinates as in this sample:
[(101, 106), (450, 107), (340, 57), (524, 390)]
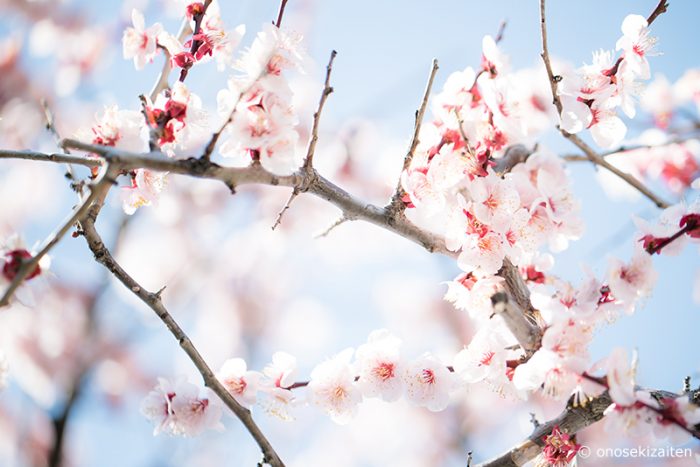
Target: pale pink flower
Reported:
[(178, 409), (621, 377), (123, 129), (494, 61), (472, 294), (239, 382), (494, 200), (282, 370), (144, 190), (607, 129), (484, 358), (272, 51), (636, 44), (379, 366), (195, 413), (428, 383), (482, 254), (274, 395), (635, 420), (633, 281), (140, 43), (676, 411), (546, 369), (332, 388)]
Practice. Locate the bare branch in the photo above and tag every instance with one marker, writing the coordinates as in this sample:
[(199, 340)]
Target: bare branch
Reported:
[(526, 332), (154, 301), (590, 153), (278, 221), (396, 204), (280, 13), (58, 158), (327, 90), (341, 220), (661, 8)]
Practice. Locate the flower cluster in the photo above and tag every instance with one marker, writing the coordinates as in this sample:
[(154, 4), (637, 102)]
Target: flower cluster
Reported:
[(211, 39), (337, 386), (638, 413), (178, 408), (258, 104), (591, 95), (454, 185)]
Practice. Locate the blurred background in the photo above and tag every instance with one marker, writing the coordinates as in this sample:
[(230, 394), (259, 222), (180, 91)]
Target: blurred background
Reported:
[(84, 356)]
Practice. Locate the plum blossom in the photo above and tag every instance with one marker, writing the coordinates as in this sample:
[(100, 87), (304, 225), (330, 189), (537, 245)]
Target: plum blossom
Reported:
[(140, 43), (472, 294), (239, 382), (379, 366), (122, 129), (547, 369), (560, 449), (591, 95), (632, 281), (494, 200), (485, 358), (145, 189), (636, 44), (274, 395), (676, 414), (621, 378), (332, 388), (177, 408), (428, 383), (264, 127)]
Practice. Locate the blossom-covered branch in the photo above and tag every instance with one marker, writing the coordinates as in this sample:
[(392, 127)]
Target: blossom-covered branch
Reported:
[(155, 302), (572, 124)]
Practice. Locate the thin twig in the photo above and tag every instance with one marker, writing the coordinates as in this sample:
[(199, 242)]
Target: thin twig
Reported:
[(154, 301), (592, 155), (280, 13), (198, 17), (327, 91), (661, 8), (58, 158), (278, 221), (311, 150), (396, 205), (51, 127), (341, 220), (501, 31)]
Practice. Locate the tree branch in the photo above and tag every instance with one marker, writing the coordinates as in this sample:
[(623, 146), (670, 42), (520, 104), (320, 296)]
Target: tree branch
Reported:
[(327, 91), (154, 301), (589, 152), (58, 158), (396, 205), (571, 420), (280, 13)]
